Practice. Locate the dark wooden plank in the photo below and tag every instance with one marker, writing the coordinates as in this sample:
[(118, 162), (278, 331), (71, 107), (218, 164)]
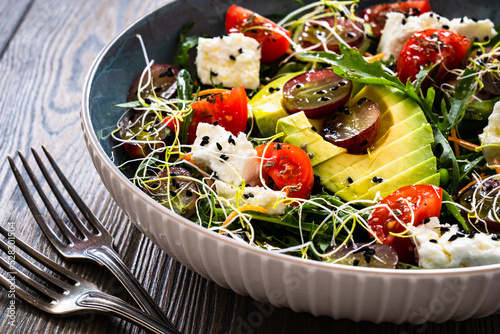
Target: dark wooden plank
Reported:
[(11, 15), (43, 71)]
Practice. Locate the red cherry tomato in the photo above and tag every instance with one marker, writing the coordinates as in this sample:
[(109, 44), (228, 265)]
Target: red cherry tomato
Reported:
[(173, 123), (423, 200), (376, 15), (228, 109), (269, 34), (431, 46), (288, 166)]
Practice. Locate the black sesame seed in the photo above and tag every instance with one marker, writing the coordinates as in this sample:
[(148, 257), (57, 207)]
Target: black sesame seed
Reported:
[(375, 179), (494, 237), (240, 50), (434, 241), (460, 234), (342, 83), (472, 234), (351, 34), (167, 73), (157, 89), (216, 123), (230, 140), (224, 157), (446, 27), (355, 262), (279, 146), (214, 74), (324, 98), (174, 174), (349, 179), (250, 195), (175, 183), (486, 38), (246, 196), (403, 21), (314, 128), (444, 229), (346, 111), (219, 146), (172, 193), (362, 100), (271, 90), (334, 88), (363, 143), (232, 57), (148, 101), (254, 142), (453, 237), (299, 85), (189, 193), (320, 92), (426, 220)]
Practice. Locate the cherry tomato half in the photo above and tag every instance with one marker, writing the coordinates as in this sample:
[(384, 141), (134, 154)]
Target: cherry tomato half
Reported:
[(423, 200), (288, 166), (376, 15), (269, 34), (432, 46), (228, 109)]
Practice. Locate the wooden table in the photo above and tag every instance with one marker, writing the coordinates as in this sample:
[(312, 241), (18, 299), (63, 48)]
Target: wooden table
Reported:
[(46, 49)]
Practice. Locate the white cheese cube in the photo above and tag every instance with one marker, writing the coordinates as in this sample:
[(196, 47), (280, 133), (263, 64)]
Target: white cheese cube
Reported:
[(268, 199), (398, 29), (233, 60), (233, 158), (483, 30), (444, 246)]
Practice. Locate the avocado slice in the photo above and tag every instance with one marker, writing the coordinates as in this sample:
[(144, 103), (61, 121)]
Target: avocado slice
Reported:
[(314, 145), (382, 155), (266, 105), (432, 180), (363, 181), (393, 145), (422, 171)]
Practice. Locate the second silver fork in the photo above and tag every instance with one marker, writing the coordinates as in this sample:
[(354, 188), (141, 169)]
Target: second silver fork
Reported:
[(94, 247)]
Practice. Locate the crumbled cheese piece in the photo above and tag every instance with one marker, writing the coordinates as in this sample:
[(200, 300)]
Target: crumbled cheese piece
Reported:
[(398, 29), (483, 30), (233, 158), (491, 136), (266, 198), (233, 60), (445, 246)]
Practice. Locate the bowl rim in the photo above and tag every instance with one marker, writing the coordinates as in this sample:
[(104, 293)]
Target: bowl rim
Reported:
[(99, 151)]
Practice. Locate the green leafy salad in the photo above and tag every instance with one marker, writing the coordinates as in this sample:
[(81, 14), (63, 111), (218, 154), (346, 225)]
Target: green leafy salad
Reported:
[(364, 137)]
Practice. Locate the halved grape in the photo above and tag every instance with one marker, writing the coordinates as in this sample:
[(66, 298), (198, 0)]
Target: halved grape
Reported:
[(175, 189), (485, 202), (350, 32), (355, 128), (317, 93), (364, 255), (164, 83), (143, 135)]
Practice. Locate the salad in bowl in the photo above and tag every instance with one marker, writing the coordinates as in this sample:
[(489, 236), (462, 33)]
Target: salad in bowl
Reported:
[(363, 138), (299, 159)]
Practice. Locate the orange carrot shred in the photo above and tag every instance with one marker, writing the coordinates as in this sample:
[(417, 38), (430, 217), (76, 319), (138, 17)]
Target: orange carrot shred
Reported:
[(235, 213)]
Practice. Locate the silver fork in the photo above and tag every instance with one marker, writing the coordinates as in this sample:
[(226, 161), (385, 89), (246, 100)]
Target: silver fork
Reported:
[(94, 247), (73, 295)]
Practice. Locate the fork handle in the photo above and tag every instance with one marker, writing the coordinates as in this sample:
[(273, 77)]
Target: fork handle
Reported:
[(109, 304), (111, 260)]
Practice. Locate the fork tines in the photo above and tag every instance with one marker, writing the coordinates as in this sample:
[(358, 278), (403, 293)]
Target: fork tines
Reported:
[(29, 282), (77, 223)]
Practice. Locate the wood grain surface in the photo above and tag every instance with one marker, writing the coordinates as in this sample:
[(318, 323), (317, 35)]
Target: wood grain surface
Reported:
[(47, 47)]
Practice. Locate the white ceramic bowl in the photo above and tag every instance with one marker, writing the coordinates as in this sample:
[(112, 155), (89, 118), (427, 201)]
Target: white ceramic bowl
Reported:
[(376, 295)]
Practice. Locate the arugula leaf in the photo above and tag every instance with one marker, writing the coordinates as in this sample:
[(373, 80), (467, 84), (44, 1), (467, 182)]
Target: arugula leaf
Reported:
[(453, 210), (463, 92), (350, 64), (185, 92), (480, 110), (186, 43)]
